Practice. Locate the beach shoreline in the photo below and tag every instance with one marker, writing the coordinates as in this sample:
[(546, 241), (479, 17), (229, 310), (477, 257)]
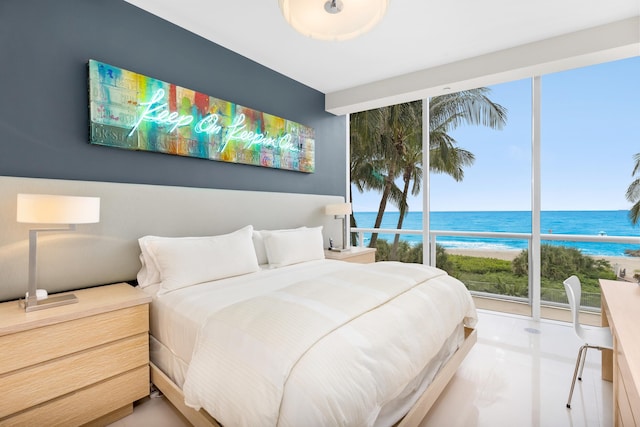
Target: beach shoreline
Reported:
[(630, 265)]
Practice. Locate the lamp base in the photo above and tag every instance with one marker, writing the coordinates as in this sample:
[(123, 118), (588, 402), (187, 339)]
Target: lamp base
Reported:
[(54, 301), (339, 249)]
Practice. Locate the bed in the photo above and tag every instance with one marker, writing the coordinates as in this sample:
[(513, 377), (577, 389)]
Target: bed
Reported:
[(129, 211), (255, 327)]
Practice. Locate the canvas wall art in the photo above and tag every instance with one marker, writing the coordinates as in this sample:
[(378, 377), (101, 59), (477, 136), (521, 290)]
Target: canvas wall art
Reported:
[(136, 112)]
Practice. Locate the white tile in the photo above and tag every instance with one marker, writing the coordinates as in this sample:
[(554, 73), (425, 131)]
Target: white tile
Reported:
[(518, 374)]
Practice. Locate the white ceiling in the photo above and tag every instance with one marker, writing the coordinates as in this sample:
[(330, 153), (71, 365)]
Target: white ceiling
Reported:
[(415, 35)]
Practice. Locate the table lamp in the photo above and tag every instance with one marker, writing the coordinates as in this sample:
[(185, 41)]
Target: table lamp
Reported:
[(340, 211), (52, 209)]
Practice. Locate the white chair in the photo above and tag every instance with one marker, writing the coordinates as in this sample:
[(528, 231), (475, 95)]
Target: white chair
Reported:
[(595, 337)]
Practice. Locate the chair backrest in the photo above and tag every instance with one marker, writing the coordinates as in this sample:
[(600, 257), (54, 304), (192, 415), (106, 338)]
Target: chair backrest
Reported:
[(573, 287)]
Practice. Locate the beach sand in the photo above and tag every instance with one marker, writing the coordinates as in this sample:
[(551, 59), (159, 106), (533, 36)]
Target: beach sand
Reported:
[(630, 265)]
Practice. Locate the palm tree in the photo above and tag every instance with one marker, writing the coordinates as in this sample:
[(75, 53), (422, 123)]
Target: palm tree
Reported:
[(448, 112), (412, 173), (378, 148), (367, 166), (633, 192), (388, 141)]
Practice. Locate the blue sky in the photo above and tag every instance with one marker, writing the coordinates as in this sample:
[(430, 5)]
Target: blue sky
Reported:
[(590, 132)]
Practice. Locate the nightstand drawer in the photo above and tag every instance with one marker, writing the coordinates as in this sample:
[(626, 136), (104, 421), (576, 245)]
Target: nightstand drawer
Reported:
[(28, 387), (83, 406), (34, 346)]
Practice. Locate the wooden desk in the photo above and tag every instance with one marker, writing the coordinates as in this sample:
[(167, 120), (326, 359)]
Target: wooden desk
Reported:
[(621, 312)]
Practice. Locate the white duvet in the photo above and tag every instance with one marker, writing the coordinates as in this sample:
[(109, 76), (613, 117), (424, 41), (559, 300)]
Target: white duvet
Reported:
[(324, 351)]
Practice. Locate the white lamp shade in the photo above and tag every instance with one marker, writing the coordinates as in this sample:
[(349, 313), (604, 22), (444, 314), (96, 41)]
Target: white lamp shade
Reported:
[(338, 209), (54, 209), (310, 18)]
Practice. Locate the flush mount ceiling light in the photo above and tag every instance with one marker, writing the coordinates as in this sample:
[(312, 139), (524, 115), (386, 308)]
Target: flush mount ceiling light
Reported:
[(333, 19)]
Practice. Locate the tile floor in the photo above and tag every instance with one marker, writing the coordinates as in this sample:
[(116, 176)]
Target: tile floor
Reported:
[(518, 374)]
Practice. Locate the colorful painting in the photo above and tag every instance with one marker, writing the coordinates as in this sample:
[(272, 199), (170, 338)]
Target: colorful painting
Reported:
[(136, 112)]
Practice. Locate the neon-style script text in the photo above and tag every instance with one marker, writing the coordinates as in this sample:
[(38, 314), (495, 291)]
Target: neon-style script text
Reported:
[(157, 111)]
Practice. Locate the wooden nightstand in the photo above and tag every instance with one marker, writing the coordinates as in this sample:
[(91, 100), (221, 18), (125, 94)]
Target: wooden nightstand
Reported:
[(75, 364), (355, 254)]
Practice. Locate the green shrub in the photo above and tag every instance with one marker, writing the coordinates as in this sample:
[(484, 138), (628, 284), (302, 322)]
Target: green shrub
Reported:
[(480, 265), (559, 262), (382, 250), (556, 262), (442, 259), (505, 277), (404, 253), (412, 253)]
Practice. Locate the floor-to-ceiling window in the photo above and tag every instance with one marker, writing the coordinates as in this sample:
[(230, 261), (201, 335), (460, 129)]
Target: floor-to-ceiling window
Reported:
[(492, 196), (590, 132), (587, 133)]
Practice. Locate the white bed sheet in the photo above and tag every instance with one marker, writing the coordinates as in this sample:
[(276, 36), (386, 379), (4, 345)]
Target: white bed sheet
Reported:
[(177, 317), (176, 369)]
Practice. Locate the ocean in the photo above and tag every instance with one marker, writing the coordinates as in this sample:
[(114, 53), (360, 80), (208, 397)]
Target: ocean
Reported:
[(590, 223)]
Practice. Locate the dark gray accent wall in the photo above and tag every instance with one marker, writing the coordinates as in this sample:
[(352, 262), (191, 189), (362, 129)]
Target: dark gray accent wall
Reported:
[(44, 123)]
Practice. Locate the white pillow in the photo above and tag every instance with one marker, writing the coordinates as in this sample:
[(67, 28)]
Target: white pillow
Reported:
[(149, 273), (293, 246), (186, 261), (258, 246), (258, 243)]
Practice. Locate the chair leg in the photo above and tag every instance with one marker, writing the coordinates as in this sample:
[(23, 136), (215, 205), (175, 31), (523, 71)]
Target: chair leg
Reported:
[(584, 358), (582, 350)]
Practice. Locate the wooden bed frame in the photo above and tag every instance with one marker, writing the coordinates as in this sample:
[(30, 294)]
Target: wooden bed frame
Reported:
[(413, 418)]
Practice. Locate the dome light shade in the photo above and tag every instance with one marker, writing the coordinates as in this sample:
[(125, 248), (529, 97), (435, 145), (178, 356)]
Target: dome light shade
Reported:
[(333, 19)]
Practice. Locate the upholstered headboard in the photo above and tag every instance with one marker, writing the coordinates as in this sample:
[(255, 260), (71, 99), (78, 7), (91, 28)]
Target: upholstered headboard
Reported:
[(107, 252)]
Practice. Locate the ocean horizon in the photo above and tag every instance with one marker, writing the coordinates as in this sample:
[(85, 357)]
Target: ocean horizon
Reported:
[(589, 223)]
